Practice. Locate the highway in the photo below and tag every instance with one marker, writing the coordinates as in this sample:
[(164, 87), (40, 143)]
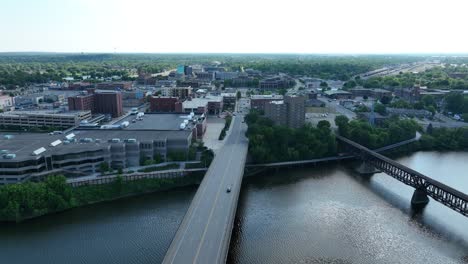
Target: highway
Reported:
[(205, 232)]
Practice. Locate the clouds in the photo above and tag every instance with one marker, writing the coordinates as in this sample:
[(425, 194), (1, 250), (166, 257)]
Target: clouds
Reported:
[(297, 26)]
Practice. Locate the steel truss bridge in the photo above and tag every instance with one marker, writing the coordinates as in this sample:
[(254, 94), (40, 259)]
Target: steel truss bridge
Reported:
[(424, 185)]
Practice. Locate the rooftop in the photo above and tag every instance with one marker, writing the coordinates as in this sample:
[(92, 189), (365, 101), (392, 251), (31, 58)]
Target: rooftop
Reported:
[(331, 92), (266, 96), (23, 144), (45, 113), (155, 122), (201, 102)]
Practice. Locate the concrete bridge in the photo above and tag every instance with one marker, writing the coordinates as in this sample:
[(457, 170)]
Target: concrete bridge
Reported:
[(205, 232)]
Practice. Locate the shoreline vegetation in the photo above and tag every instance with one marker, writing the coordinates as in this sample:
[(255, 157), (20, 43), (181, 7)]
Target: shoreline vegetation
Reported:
[(226, 127), (22, 201)]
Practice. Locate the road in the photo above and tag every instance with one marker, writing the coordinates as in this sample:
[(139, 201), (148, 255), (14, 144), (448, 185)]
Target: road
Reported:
[(338, 108), (205, 232)]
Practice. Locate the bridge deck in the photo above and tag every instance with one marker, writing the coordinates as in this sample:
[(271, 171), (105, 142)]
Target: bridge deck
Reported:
[(205, 232)]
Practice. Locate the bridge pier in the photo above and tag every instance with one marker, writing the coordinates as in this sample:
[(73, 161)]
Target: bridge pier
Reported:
[(419, 199), (366, 169)]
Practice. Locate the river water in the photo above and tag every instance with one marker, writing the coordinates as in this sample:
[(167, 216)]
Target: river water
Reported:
[(323, 214)]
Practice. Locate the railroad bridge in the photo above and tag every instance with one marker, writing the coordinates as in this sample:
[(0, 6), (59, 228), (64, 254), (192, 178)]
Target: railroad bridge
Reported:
[(424, 185)]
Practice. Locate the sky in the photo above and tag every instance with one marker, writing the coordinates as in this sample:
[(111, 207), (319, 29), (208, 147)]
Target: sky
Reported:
[(235, 26)]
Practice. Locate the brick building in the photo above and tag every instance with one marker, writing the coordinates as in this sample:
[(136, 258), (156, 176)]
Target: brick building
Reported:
[(163, 104), (100, 102)]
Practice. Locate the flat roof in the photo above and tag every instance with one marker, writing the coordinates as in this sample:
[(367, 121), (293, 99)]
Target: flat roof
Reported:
[(155, 121), (331, 92), (23, 144), (200, 102), (266, 96), (44, 113)]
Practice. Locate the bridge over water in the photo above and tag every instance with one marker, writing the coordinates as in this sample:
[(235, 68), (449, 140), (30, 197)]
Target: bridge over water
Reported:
[(205, 232), (424, 185)]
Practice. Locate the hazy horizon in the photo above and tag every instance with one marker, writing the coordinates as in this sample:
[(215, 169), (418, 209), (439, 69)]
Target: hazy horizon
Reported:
[(333, 27)]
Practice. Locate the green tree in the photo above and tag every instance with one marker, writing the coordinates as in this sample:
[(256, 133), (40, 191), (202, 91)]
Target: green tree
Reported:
[(454, 102), (385, 100), (341, 122), (428, 100), (238, 95), (323, 124), (104, 167), (380, 108)]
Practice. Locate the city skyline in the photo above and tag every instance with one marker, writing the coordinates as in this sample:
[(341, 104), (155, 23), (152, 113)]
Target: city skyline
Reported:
[(299, 27)]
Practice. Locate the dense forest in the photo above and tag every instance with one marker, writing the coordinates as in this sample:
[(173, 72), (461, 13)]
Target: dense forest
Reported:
[(444, 139), (271, 143), (447, 77), (24, 68)]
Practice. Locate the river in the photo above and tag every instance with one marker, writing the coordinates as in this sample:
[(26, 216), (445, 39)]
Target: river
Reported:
[(323, 214)]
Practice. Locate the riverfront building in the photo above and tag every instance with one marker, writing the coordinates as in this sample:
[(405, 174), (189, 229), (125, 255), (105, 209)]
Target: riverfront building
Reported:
[(288, 112), (31, 156), (259, 102)]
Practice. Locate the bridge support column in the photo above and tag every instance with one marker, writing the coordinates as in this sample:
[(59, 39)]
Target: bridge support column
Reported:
[(366, 169), (419, 199)]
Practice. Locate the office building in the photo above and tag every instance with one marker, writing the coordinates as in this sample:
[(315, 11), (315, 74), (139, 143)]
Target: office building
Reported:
[(295, 105), (258, 102), (277, 111), (179, 92), (288, 112), (81, 102), (99, 102), (163, 104), (108, 102)]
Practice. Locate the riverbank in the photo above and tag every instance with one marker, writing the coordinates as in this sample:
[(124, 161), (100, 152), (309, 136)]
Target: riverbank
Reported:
[(20, 202)]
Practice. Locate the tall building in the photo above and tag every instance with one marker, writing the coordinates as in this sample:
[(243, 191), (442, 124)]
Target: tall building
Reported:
[(288, 112), (108, 102), (296, 110), (259, 102), (81, 102), (100, 102), (277, 111)]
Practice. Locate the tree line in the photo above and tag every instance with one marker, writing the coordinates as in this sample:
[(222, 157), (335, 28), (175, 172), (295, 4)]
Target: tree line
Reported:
[(31, 199), (271, 143), (390, 132)]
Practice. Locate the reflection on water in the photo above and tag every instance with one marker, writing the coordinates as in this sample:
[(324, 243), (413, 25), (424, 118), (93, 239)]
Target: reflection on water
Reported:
[(135, 230), (324, 214), (331, 215)]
